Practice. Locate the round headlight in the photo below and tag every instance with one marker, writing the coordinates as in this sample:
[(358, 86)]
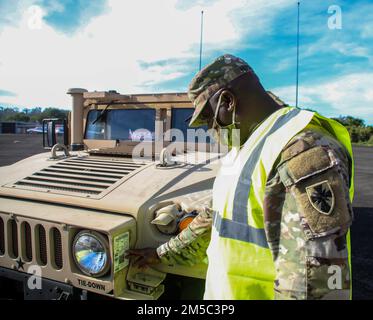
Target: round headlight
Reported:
[(90, 253)]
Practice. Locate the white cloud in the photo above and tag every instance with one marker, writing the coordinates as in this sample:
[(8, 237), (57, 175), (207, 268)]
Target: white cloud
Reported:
[(40, 64), (367, 31), (348, 95), (35, 16), (283, 64), (351, 49)]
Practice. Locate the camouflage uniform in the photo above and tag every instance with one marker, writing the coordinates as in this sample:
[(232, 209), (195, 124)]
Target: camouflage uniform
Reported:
[(307, 213), (189, 246), (213, 77), (305, 242), (303, 247)]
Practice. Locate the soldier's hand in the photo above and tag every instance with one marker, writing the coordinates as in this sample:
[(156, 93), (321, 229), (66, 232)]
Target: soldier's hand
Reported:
[(144, 257)]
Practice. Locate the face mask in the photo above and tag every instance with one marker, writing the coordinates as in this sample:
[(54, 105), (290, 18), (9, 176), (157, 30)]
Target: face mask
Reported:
[(227, 135)]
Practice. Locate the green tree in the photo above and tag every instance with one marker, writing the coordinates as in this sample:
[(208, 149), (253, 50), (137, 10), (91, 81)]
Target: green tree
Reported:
[(53, 113), (350, 121), (35, 114), (353, 134)]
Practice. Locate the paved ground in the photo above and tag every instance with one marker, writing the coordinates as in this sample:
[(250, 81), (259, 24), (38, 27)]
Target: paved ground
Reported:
[(16, 147), (362, 228)]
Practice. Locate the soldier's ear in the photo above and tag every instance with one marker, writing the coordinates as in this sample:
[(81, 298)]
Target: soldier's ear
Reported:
[(229, 100)]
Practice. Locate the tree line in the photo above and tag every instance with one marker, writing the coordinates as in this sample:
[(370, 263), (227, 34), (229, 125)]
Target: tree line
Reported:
[(359, 132), (31, 115)]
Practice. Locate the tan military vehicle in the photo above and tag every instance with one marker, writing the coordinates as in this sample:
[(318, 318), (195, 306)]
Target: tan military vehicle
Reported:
[(68, 216)]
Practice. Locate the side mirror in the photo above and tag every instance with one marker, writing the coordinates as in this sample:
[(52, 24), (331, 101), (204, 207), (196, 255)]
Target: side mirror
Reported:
[(54, 131)]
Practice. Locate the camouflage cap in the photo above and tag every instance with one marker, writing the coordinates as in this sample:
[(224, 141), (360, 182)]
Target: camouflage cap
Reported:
[(210, 79)]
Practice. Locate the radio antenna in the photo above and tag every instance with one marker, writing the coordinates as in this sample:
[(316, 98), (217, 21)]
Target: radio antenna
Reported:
[(297, 75), (200, 42)]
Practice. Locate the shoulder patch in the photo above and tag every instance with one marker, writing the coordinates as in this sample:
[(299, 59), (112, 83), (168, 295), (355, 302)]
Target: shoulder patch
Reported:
[(321, 197), (295, 148), (323, 204), (304, 165)]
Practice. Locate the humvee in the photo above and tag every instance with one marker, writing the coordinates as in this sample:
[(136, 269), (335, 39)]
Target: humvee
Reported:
[(67, 216)]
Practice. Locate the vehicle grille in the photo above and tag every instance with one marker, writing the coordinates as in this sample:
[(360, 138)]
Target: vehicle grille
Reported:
[(57, 243), (2, 237), (47, 241), (80, 176), (14, 238), (42, 241), (27, 241)]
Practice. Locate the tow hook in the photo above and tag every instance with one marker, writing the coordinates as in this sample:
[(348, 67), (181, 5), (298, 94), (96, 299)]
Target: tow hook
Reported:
[(59, 147)]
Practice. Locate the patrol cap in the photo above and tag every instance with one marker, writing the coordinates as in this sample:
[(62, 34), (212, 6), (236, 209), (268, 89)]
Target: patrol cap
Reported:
[(210, 79)]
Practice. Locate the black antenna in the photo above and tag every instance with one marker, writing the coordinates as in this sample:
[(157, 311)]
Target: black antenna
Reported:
[(297, 77), (200, 43)]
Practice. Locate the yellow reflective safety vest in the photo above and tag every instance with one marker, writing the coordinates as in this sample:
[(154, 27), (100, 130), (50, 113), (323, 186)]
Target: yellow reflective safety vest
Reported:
[(240, 262)]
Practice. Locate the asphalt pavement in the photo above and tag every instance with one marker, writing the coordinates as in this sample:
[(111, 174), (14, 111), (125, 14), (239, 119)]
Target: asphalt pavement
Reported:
[(15, 147), (362, 227)]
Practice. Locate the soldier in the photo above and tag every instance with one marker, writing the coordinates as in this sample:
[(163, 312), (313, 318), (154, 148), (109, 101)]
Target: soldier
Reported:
[(279, 224)]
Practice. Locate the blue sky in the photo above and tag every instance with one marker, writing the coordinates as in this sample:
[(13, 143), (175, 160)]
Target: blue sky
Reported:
[(152, 46)]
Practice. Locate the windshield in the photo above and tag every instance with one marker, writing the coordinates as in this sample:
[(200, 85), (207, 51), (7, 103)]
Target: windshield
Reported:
[(122, 124), (180, 120), (139, 125)]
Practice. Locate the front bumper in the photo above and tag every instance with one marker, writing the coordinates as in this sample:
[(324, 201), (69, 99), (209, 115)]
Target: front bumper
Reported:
[(19, 285)]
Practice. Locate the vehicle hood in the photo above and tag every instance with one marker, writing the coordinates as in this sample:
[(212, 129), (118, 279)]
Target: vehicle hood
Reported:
[(144, 185)]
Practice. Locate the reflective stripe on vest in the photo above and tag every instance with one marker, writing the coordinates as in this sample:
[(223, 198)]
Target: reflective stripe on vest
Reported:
[(240, 261), (239, 231), (244, 181)]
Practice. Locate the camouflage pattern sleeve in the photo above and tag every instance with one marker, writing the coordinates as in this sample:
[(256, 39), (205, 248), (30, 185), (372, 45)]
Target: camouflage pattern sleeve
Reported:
[(189, 246), (307, 213)]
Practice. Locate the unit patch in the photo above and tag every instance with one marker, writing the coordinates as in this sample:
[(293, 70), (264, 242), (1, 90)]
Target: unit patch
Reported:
[(321, 196)]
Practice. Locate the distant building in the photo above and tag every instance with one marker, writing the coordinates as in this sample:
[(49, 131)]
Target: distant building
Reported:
[(16, 126)]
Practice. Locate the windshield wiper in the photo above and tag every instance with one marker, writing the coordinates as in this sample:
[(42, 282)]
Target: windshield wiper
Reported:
[(103, 113), (188, 119)]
